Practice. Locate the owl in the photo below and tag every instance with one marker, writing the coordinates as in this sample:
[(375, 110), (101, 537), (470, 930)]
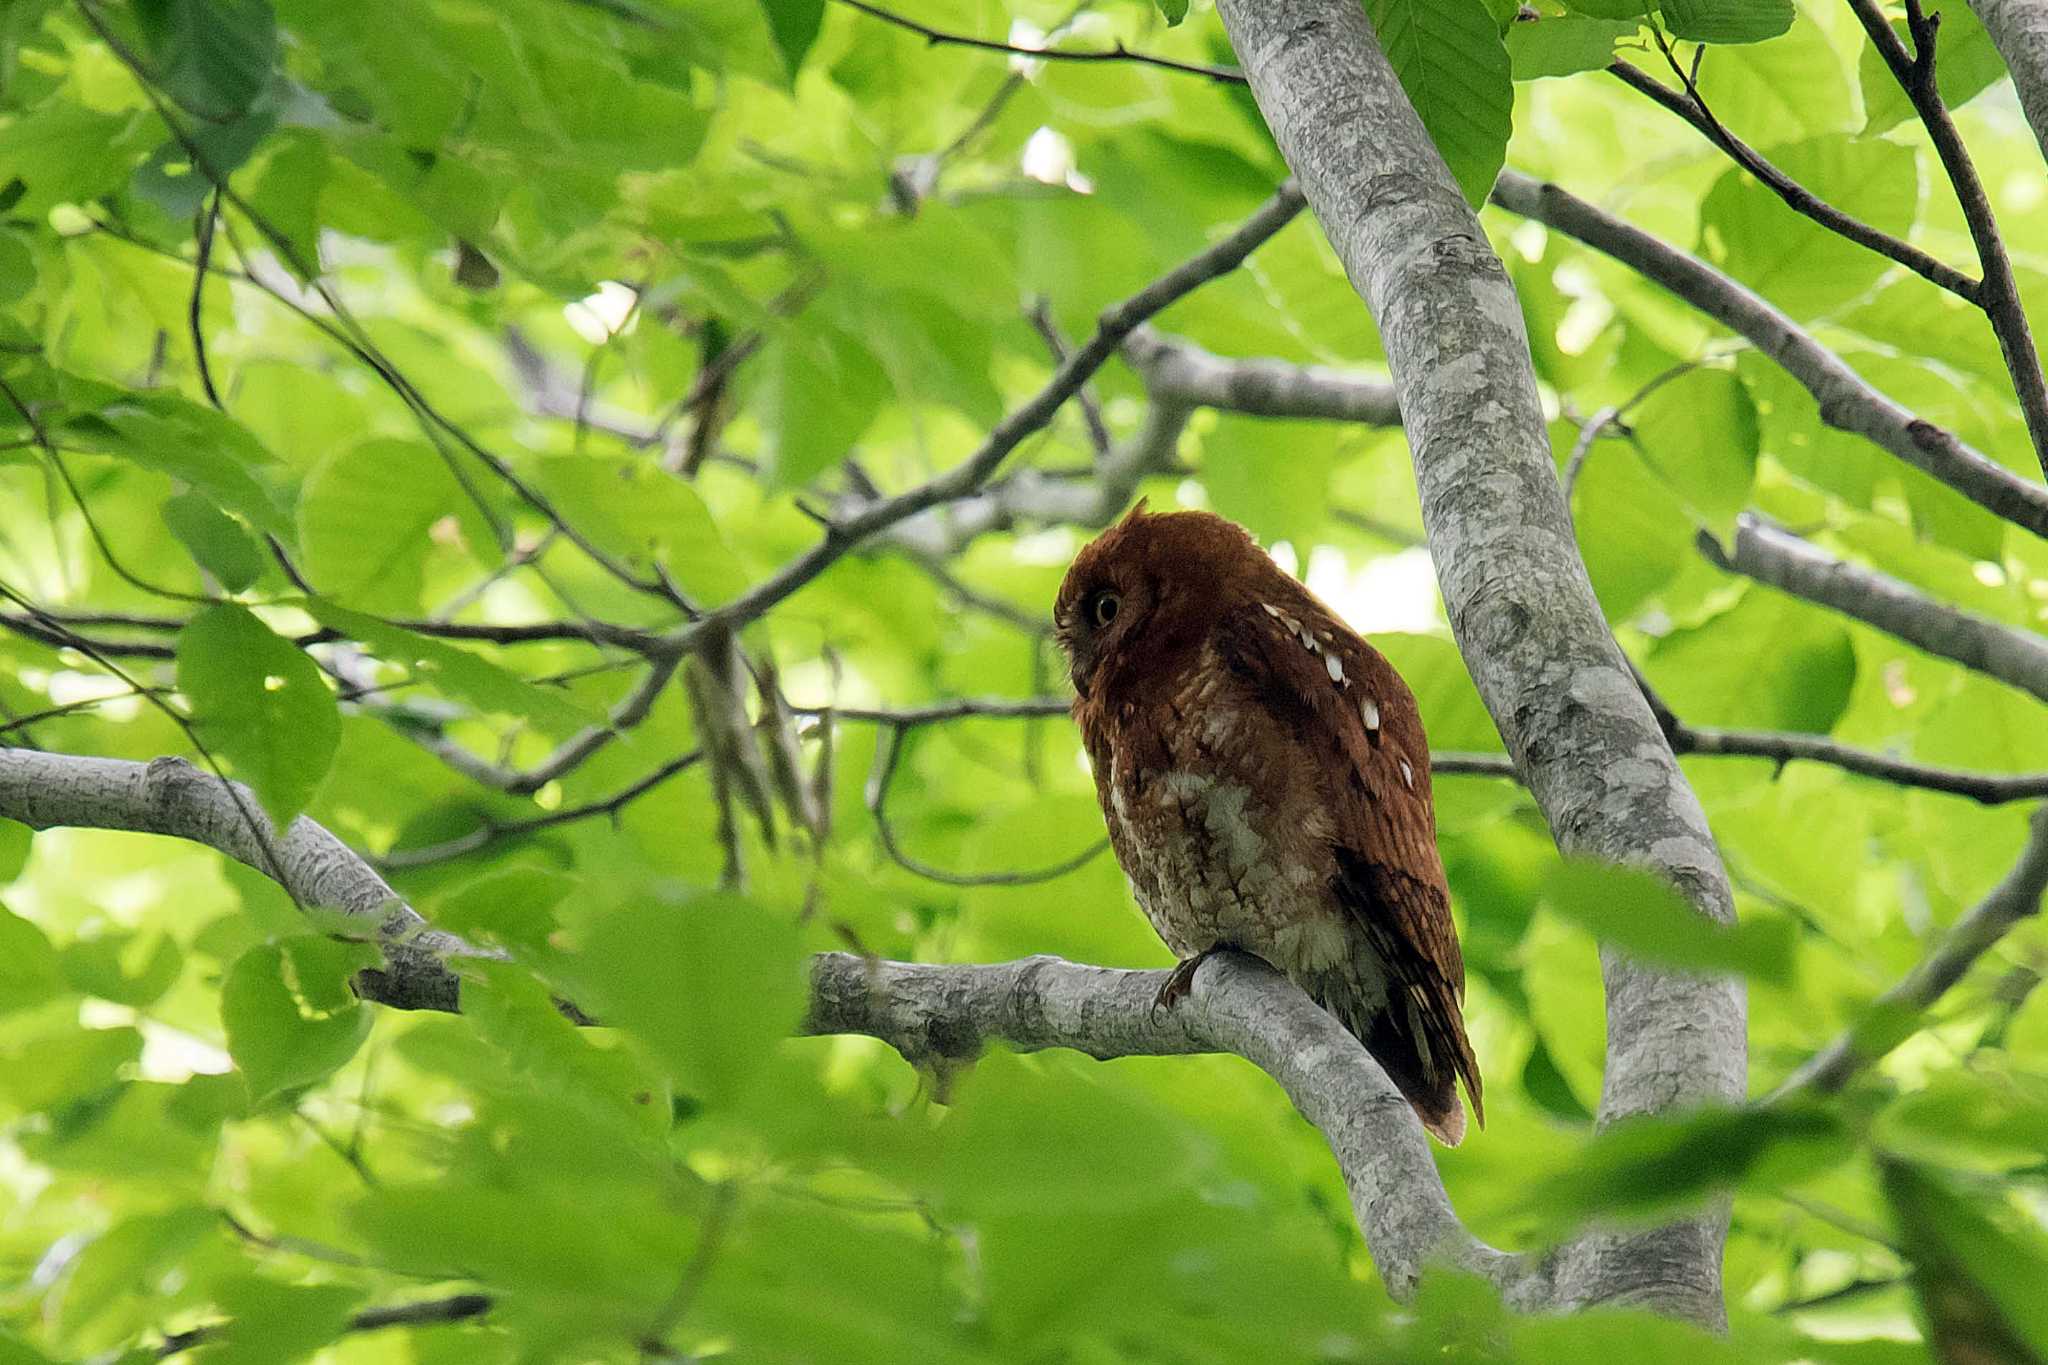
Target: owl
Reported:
[(1265, 780)]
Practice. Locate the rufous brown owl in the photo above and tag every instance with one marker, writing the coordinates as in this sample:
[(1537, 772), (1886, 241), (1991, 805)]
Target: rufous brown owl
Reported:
[(1266, 783)]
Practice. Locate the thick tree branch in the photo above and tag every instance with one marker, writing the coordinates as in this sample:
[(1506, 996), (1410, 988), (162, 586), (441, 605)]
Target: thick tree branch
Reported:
[(1179, 371), (1520, 604), (1238, 1004), (2019, 30), (2017, 897), (169, 796), (1847, 401), (1786, 562), (1998, 294)]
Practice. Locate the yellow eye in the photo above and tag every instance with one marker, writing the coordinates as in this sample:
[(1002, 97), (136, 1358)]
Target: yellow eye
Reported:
[(1105, 607)]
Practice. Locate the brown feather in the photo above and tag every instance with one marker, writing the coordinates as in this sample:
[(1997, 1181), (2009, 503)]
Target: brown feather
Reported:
[(1265, 779)]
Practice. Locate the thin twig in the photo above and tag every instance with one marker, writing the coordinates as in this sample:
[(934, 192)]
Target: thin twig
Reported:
[(455, 1308), (493, 830), (1998, 294), (1119, 53), (1691, 106), (2015, 898)]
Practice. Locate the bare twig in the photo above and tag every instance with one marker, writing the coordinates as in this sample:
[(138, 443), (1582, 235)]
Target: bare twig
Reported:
[(1115, 324), (2017, 897), (888, 751), (1999, 293), (1119, 53), (493, 830), (1689, 105)]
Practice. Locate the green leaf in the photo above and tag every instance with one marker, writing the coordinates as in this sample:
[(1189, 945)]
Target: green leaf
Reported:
[(1272, 477), (1637, 912), (1802, 267), (820, 390), (211, 451), (212, 56), (1449, 57), (1966, 63), (17, 266), (261, 704), (1771, 662), (710, 985), (271, 1322), (128, 969), (16, 841), (794, 23), (216, 540), (1977, 1268), (1644, 1168), (28, 964), (1559, 45), (365, 520), (1173, 11), (1727, 21), (642, 513), (127, 1259), (455, 672), (288, 1013), (1700, 433)]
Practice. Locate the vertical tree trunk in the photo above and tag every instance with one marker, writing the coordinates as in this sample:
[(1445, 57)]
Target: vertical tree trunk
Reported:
[(1520, 604)]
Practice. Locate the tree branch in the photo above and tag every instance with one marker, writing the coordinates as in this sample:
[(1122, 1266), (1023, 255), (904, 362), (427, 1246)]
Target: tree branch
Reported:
[(2019, 30), (169, 796), (1238, 1004), (2015, 898), (1179, 371), (1792, 565), (939, 38), (1847, 401), (1688, 105), (1527, 622), (1999, 292), (1114, 324)]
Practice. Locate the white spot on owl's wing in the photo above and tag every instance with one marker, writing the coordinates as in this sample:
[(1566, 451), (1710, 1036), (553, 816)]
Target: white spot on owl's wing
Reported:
[(1407, 775), (1336, 668), (1369, 711)]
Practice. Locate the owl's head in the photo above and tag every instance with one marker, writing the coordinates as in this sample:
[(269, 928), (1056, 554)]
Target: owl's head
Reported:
[(1149, 584)]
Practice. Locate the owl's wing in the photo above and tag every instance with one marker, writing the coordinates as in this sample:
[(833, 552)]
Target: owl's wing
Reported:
[(1347, 705)]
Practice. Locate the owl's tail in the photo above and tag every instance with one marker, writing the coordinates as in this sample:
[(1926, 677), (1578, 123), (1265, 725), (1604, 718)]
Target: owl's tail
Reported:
[(1419, 1042)]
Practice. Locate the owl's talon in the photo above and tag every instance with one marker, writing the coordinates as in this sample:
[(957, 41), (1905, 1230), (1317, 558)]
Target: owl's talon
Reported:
[(1179, 982)]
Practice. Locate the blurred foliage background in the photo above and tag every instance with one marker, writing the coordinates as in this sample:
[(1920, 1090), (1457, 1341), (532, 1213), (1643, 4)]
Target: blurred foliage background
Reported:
[(381, 379)]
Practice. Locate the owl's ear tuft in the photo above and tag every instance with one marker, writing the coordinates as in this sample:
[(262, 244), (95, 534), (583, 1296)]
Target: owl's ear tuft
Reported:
[(1138, 511)]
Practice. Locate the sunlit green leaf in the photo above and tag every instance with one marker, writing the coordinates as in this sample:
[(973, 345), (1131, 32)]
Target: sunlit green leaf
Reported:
[(1634, 910), (1449, 57), (289, 1017), (260, 703)]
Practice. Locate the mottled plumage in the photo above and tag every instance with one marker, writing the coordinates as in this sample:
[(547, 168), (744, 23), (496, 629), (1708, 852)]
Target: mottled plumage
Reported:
[(1265, 779)]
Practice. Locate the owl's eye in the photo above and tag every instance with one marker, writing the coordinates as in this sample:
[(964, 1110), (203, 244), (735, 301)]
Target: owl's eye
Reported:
[(1104, 607)]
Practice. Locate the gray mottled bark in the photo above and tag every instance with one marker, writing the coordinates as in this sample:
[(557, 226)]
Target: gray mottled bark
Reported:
[(1181, 372), (1520, 604), (1847, 402), (170, 796), (1786, 562), (2019, 30)]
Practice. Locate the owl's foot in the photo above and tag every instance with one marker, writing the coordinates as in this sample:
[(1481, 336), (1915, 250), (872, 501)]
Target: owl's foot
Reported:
[(1179, 982)]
